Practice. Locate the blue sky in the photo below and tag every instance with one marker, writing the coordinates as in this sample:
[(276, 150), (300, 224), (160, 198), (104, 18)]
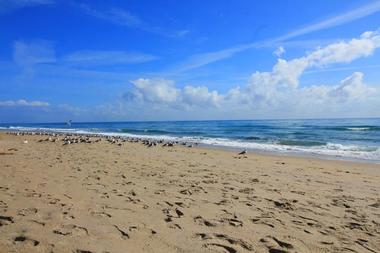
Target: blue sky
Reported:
[(186, 60)]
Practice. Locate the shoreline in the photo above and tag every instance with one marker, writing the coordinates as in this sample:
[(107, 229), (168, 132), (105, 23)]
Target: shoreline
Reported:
[(295, 154), (103, 197)]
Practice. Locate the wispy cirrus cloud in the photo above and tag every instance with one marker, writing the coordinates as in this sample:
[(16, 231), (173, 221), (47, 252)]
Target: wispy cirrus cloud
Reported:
[(97, 58), (12, 5), (337, 20), (23, 102), (125, 18), (202, 59), (114, 15), (28, 53), (199, 60)]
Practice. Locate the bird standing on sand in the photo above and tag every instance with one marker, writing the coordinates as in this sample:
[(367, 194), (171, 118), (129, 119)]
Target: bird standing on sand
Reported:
[(244, 152)]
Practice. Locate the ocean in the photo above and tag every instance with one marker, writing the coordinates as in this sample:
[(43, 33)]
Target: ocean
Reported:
[(348, 139)]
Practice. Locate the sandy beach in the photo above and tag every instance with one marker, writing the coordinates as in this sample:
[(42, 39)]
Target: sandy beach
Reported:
[(102, 197)]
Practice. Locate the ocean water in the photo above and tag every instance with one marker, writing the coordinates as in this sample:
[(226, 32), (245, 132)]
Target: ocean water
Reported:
[(352, 139)]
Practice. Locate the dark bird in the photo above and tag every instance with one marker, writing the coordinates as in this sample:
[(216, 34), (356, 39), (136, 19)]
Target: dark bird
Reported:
[(244, 152)]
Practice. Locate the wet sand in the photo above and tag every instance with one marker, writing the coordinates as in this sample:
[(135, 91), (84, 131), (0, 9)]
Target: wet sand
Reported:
[(102, 197)]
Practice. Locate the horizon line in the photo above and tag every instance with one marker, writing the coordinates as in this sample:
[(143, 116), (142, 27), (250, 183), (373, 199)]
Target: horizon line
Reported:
[(200, 120)]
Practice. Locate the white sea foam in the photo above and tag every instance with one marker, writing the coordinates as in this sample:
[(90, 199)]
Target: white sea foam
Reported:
[(330, 149), (358, 128)]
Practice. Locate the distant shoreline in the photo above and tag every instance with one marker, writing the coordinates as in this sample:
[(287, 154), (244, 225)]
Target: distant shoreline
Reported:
[(200, 120)]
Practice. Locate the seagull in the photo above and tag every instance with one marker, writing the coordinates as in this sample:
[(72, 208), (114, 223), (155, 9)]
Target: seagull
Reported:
[(243, 152)]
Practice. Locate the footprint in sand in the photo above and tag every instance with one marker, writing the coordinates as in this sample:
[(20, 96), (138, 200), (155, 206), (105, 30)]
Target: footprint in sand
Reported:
[(172, 213), (224, 242), (276, 245), (6, 220), (209, 223), (263, 220), (126, 233), (71, 229), (123, 232), (25, 240), (100, 214), (234, 222)]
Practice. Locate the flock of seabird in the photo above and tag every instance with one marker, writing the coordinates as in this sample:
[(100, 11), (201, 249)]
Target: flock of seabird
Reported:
[(74, 138)]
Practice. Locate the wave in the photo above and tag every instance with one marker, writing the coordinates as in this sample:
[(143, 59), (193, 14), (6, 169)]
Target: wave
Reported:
[(329, 149), (47, 129), (156, 131), (353, 128), (301, 143), (253, 138), (145, 131), (360, 128)]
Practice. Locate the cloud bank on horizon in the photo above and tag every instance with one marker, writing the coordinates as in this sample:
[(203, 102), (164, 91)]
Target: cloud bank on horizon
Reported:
[(268, 92), (43, 81)]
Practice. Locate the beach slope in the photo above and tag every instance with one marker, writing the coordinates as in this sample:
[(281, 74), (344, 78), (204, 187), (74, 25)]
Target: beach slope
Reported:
[(102, 197)]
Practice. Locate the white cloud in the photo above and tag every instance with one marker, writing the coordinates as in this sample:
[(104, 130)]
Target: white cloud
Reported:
[(34, 52), (352, 88), (277, 87), (275, 93), (155, 91), (345, 52), (200, 96), (164, 92), (279, 51), (286, 74), (23, 102), (278, 92), (350, 98)]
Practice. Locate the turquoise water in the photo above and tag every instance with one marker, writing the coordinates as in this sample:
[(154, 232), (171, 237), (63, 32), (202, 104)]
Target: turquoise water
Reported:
[(339, 138)]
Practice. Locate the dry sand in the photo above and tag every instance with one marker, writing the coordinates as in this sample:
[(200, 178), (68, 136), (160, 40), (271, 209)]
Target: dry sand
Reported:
[(104, 198)]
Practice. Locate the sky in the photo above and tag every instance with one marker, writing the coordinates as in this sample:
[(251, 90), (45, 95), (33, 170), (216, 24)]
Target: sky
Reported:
[(139, 60)]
